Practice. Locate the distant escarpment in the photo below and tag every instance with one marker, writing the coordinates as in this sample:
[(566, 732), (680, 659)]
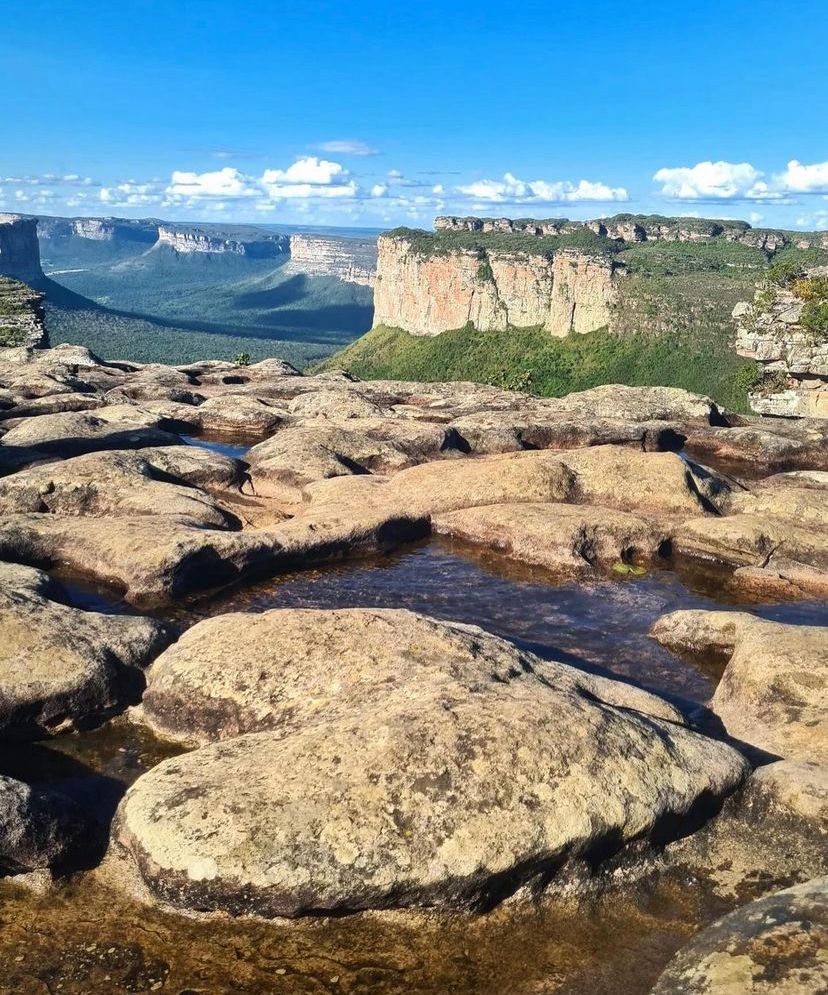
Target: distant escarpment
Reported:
[(21, 316), (19, 250), (349, 259), (639, 228), (426, 294), (785, 328), (627, 274), (186, 239)]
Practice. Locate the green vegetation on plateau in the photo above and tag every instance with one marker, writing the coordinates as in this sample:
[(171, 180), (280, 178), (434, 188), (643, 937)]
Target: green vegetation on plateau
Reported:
[(532, 360)]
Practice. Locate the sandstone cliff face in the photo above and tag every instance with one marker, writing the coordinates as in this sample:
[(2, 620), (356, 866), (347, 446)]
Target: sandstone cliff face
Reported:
[(189, 240), (430, 294), (21, 316), (349, 259), (19, 249), (769, 330), (637, 228)]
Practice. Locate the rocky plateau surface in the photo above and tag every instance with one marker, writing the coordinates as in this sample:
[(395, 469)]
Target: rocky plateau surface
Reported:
[(331, 761)]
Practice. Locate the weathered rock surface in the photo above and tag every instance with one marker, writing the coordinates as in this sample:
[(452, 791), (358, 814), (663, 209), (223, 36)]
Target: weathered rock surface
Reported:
[(775, 946), (484, 775), (61, 667), (74, 433), (568, 538), (350, 259), (40, 829), (109, 484), (427, 294), (285, 668), (772, 695)]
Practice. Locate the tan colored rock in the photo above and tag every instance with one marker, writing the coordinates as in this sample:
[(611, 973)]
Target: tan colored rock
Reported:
[(334, 404), (61, 667), (772, 695), (283, 669), (428, 294), (107, 484), (475, 781), (569, 538), (774, 444), (775, 946), (249, 417), (318, 449), (74, 433)]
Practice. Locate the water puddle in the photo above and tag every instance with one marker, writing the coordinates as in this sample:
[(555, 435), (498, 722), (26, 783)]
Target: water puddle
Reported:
[(236, 450), (600, 625)]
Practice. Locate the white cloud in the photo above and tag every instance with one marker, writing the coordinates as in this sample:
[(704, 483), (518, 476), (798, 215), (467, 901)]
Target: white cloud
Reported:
[(511, 190), (227, 182), (130, 194), (756, 218), (379, 190), (715, 181), (799, 178), (309, 177), (348, 147)]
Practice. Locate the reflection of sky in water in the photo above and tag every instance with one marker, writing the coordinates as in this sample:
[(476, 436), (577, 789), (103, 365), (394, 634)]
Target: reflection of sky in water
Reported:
[(600, 624), (225, 448)]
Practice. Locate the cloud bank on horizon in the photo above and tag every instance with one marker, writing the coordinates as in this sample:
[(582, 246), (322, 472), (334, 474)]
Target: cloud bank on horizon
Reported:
[(316, 189)]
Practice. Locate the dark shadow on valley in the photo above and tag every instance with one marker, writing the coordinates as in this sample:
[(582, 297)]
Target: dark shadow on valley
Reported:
[(294, 289)]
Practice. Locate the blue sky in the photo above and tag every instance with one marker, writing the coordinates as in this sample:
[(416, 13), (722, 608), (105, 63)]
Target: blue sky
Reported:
[(385, 113)]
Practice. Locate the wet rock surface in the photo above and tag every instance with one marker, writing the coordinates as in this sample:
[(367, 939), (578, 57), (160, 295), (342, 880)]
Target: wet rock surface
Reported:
[(357, 757), (777, 944)]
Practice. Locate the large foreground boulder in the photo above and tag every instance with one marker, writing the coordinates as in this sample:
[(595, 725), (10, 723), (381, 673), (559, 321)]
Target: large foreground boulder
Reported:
[(61, 667), (476, 773), (775, 946), (75, 433), (40, 829)]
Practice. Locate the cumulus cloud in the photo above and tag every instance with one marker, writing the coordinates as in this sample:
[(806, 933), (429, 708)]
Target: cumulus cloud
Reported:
[(348, 147), (308, 177), (379, 190), (799, 178), (511, 190), (715, 181), (226, 182)]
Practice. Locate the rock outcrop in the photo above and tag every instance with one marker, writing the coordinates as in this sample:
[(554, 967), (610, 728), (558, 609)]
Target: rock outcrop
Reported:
[(60, 667), (19, 249), (426, 294), (352, 260), (774, 330), (184, 239), (22, 319)]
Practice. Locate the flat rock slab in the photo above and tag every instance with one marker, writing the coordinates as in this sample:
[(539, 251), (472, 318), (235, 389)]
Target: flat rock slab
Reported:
[(40, 829), (74, 433), (285, 668), (61, 667), (564, 537), (772, 695), (110, 484), (476, 780), (774, 946)]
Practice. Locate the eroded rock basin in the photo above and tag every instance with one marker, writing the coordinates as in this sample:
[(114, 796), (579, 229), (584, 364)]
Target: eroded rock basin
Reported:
[(89, 939)]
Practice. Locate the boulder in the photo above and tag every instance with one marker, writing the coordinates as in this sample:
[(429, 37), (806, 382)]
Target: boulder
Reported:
[(107, 484), (773, 444), (639, 404), (777, 945), (40, 828), (240, 415), (570, 538), (338, 405), (74, 433), (451, 786), (61, 667), (242, 672), (772, 695)]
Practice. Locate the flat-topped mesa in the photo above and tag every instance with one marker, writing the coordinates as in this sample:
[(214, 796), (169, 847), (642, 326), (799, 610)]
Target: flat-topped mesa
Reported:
[(428, 293), (785, 328), (351, 260), (192, 240), (19, 249), (638, 228), (113, 230)]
